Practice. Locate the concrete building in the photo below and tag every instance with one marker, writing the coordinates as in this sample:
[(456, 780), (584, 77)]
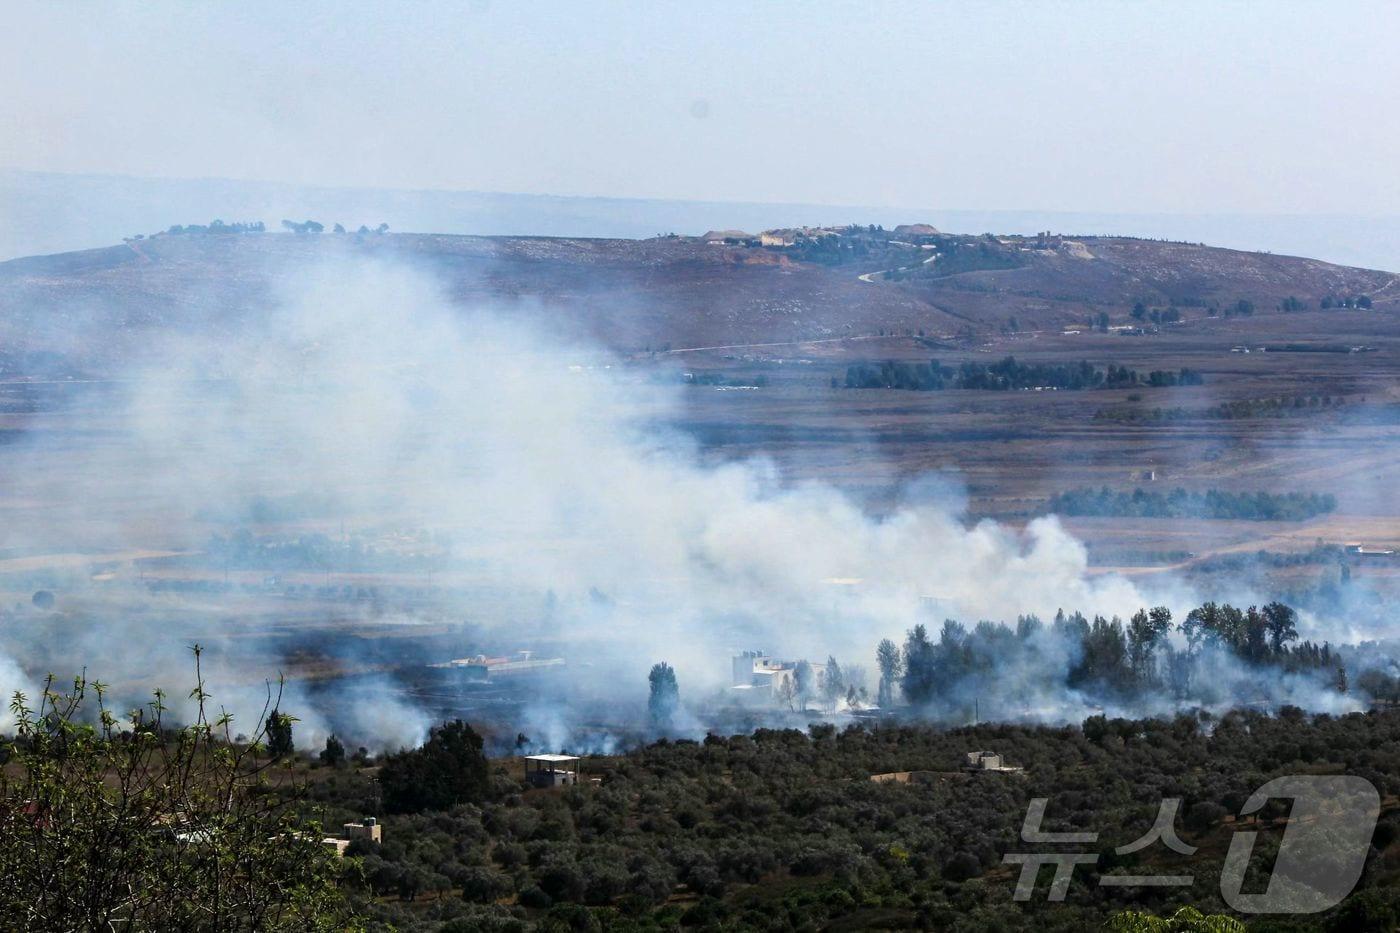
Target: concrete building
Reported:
[(758, 679), (756, 669), (551, 770), (367, 828), (987, 761), (336, 844)]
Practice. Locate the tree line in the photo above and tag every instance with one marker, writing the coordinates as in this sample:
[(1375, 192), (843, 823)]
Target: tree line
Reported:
[(1009, 374), (1178, 503), (1281, 407), (1223, 653), (216, 228), (1328, 303)]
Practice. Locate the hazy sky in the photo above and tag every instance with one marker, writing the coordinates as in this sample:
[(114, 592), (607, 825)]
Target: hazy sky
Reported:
[(1173, 107)]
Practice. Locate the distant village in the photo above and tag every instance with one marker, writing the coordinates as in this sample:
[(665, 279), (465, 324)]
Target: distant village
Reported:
[(910, 234)]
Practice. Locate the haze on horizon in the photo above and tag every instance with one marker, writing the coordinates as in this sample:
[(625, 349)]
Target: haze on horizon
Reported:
[(1090, 107)]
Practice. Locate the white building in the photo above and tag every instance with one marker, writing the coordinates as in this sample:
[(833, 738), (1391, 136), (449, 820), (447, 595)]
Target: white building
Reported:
[(552, 770), (762, 680)]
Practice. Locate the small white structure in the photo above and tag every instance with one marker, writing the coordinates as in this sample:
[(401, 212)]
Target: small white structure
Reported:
[(551, 770)]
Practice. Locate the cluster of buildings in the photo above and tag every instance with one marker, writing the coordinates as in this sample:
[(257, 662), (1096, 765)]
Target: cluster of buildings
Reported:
[(777, 238), (186, 834), (911, 234)]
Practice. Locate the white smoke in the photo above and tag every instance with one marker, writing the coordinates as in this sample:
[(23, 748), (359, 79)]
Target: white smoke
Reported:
[(542, 461)]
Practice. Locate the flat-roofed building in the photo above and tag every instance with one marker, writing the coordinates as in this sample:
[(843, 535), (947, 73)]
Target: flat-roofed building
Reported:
[(552, 770)]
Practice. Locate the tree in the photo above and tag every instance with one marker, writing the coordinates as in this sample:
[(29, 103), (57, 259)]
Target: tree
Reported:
[(920, 675), (449, 769), (802, 682), (833, 684), (1147, 630), (1282, 624), (306, 226), (279, 735), (334, 752), (787, 693), (131, 823), (1255, 642), (665, 695), (891, 665), (1379, 686)]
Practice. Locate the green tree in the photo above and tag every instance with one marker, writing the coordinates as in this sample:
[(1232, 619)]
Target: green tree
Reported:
[(1282, 624), (803, 683), (665, 695), (833, 684), (279, 734), (334, 752), (920, 676), (448, 770), (1146, 631), (890, 664)]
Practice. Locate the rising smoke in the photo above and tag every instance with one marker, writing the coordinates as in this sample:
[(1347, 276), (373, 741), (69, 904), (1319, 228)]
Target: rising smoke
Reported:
[(364, 391)]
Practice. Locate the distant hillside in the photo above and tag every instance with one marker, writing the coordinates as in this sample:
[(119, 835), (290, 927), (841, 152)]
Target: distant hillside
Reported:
[(45, 212), (671, 292)]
